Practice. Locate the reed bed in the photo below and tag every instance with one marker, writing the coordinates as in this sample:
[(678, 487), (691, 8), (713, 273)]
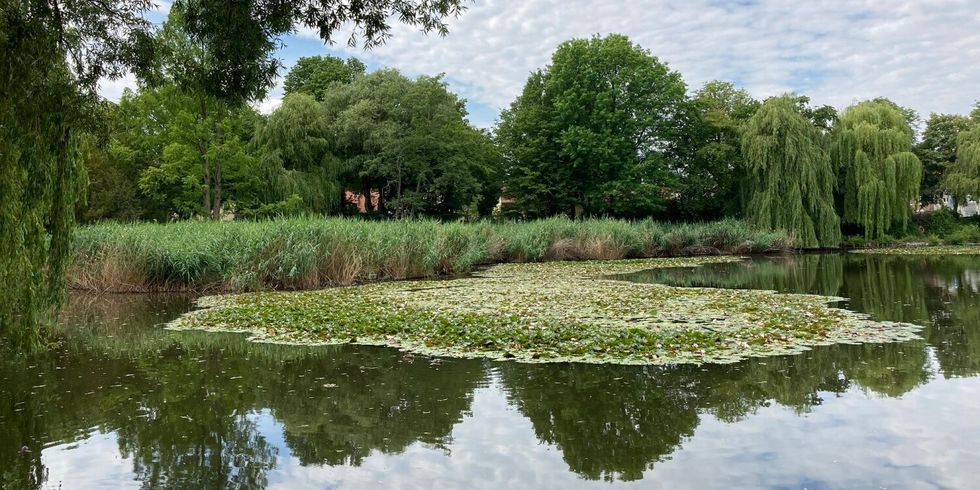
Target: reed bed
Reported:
[(312, 252)]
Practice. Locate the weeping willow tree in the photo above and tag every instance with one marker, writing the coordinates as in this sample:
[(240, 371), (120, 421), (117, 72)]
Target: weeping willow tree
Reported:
[(963, 176), (39, 177), (54, 53), (872, 146), (300, 170), (791, 182)]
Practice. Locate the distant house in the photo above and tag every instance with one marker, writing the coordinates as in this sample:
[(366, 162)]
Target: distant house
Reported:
[(357, 200), (971, 208)]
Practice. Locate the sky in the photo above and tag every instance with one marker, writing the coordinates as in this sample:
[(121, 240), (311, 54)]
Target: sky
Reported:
[(923, 54)]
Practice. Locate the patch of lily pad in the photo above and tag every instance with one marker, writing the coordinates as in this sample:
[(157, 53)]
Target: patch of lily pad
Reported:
[(938, 250), (550, 312)]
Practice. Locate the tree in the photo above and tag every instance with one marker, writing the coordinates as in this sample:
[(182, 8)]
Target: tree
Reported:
[(937, 151), (297, 157), (880, 176), (314, 75), (963, 176), (591, 133), (710, 163), (790, 181), (222, 52), (54, 53), (242, 36), (188, 65), (110, 192), (823, 117), (163, 129), (409, 141)]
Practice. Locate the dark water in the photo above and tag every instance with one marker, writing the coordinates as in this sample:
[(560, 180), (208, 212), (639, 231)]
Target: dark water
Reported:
[(124, 404)]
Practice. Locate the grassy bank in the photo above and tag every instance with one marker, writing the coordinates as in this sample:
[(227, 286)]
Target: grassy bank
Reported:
[(308, 253), (554, 312)]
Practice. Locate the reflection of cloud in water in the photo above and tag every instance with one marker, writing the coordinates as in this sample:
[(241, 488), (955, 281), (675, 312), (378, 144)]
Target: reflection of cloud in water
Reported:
[(969, 278), (92, 463), (852, 440), (842, 416), (922, 440), (493, 448)]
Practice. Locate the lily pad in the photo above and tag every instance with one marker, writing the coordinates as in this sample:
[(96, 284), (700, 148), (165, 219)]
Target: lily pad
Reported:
[(550, 312), (947, 250)]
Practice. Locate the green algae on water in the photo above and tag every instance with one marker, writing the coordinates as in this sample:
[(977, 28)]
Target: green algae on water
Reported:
[(550, 312), (940, 250)]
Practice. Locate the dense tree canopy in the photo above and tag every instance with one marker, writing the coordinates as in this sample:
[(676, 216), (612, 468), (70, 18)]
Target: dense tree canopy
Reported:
[(709, 163), (790, 181), (409, 141), (200, 163), (963, 176), (937, 152), (591, 133), (315, 75), (880, 176), (298, 162)]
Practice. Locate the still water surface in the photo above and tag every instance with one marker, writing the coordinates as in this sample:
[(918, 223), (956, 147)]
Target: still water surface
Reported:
[(125, 404)]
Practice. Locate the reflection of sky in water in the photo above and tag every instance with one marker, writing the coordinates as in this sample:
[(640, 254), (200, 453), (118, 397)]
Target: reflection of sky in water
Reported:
[(892, 415), (92, 463), (925, 439)]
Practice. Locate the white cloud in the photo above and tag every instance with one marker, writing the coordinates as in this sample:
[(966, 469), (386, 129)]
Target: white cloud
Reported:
[(113, 89), (268, 105), (924, 54)]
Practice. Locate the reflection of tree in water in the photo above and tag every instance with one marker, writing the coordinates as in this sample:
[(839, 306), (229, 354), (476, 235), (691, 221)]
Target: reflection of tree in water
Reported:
[(614, 422), (887, 288), (337, 412), (939, 293), (184, 406), (188, 426), (814, 274), (955, 307), (608, 421)]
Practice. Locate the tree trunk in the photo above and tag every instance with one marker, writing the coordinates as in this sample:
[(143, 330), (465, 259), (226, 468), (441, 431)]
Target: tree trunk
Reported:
[(206, 165), (216, 209), (206, 201), (399, 191), (366, 194)]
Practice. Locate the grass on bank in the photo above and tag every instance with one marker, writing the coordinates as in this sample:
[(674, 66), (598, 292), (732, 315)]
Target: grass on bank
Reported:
[(553, 312), (310, 253)]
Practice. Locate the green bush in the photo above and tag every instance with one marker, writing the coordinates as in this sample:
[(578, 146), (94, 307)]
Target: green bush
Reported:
[(855, 241), (941, 223), (965, 234)]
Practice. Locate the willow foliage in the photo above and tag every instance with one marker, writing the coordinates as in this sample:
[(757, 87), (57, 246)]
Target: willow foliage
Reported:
[(52, 55), (963, 176), (297, 158), (791, 182), (872, 146), (39, 177)]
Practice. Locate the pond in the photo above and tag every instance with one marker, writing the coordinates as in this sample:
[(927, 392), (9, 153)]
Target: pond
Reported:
[(123, 403)]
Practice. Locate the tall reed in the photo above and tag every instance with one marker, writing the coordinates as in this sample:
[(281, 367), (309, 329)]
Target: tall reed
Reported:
[(309, 252)]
